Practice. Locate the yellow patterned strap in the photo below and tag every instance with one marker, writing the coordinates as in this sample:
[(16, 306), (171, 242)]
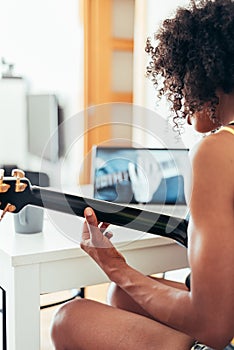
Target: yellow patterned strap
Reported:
[(226, 128)]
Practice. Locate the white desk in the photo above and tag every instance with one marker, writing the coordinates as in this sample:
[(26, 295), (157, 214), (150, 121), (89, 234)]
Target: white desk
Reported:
[(47, 262)]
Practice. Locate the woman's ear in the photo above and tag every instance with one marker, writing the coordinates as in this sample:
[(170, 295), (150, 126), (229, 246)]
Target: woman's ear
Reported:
[(189, 120)]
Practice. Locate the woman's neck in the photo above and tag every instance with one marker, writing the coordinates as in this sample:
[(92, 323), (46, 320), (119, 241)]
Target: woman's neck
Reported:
[(225, 108)]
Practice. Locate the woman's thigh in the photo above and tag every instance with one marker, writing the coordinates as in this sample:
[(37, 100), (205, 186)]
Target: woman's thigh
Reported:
[(85, 325)]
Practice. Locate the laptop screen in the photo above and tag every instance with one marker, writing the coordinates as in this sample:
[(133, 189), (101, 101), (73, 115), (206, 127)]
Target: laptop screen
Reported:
[(139, 175)]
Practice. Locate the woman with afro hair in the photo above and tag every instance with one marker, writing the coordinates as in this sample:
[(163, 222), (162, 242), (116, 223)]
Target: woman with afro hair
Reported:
[(193, 63)]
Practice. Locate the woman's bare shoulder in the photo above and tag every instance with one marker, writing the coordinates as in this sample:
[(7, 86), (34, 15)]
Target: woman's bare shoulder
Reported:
[(212, 168), (213, 149)]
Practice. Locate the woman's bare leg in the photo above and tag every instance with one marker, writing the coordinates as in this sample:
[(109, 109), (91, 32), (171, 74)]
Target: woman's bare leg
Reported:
[(88, 325)]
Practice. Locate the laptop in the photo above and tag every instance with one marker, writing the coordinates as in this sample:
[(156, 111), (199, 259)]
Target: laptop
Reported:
[(139, 175)]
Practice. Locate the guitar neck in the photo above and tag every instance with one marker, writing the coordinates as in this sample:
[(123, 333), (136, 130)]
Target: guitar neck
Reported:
[(116, 214)]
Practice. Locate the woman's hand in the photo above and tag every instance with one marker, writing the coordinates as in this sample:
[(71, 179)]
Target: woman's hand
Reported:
[(97, 244)]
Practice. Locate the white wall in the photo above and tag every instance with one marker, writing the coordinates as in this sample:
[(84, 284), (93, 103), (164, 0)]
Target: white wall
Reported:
[(13, 140), (45, 41), (148, 17)]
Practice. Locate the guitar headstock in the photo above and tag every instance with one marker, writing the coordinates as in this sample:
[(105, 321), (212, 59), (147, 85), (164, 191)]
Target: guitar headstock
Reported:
[(15, 191)]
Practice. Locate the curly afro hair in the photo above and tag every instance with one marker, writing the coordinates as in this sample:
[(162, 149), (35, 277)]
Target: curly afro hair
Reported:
[(194, 57)]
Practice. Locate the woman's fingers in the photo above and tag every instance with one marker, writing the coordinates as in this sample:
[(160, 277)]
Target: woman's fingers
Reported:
[(90, 216), (103, 226), (85, 232), (108, 234), (93, 230), (92, 219)]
